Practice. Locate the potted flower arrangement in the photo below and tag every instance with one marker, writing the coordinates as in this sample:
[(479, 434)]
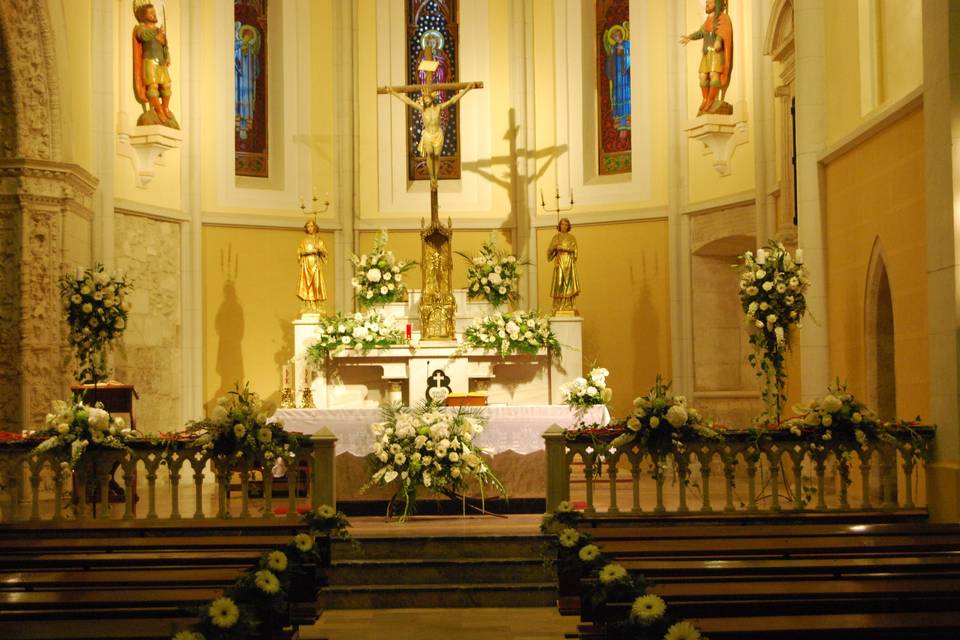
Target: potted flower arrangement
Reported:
[(582, 393), (663, 423), (96, 308), (74, 427), (773, 287), (360, 332), (512, 332), (428, 447), (493, 275), (378, 276)]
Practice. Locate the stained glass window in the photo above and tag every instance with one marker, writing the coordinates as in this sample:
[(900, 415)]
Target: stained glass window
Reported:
[(613, 86), (433, 32), (250, 89)]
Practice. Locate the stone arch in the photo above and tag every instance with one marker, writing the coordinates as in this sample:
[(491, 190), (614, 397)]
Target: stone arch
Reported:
[(880, 351), (30, 114)]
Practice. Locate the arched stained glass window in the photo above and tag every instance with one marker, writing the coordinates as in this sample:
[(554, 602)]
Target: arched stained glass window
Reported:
[(433, 32), (250, 88), (613, 86)]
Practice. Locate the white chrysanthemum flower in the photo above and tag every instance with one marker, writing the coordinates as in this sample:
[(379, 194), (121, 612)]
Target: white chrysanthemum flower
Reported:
[(495, 278), (98, 418), (374, 275), (223, 613), (683, 630), (611, 573), (239, 430), (677, 415), (589, 553), (648, 608)]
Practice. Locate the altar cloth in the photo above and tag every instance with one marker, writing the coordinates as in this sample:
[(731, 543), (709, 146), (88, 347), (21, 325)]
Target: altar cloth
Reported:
[(517, 428)]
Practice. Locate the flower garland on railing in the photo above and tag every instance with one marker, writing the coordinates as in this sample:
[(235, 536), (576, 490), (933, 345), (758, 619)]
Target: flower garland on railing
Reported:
[(582, 393), (512, 332), (74, 426), (95, 307), (257, 603), (430, 447), (493, 275), (577, 557), (663, 423), (378, 277), (361, 332), (239, 427), (773, 289)]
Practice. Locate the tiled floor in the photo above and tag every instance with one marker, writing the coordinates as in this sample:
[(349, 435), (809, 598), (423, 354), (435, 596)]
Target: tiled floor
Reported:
[(440, 624)]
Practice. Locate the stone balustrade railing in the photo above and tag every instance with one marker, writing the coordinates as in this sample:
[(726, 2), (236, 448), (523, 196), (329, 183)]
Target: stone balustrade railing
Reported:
[(159, 480), (741, 473)]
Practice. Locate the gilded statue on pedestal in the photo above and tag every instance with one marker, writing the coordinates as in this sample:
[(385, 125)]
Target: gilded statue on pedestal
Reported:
[(151, 67), (717, 62), (312, 255), (564, 286)]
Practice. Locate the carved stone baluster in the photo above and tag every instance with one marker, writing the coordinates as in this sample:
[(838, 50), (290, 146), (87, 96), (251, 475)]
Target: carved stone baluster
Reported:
[(293, 473), (268, 493), (612, 475), (58, 473), (797, 480), (705, 458), (130, 487), (174, 465), (683, 471), (198, 465), (635, 476), (246, 471), (865, 466), (222, 472), (844, 466), (821, 465), (773, 457), (658, 476), (35, 469), (104, 481), (908, 464), (588, 458), (888, 476), (150, 465), (730, 477), (751, 480)]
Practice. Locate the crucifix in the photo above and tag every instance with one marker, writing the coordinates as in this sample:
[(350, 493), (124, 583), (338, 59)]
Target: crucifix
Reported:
[(437, 306)]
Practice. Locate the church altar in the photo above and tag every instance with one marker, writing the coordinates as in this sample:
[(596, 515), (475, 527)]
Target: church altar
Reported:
[(513, 434), (404, 373)]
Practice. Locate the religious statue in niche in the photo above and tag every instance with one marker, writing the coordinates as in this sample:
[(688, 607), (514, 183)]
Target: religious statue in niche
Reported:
[(312, 254), (430, 146), (151, 66), (717, 61), (613, 86), (246, 61), (564, 285)]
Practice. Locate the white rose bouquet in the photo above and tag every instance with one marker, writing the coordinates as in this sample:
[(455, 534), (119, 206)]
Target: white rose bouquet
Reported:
[(378, 277), (95, 306), (360, 332), (430, 447), (493, 275), (773, 287), (663, 423), (582, 393), (238, 426), (74, 426), (512, 332)]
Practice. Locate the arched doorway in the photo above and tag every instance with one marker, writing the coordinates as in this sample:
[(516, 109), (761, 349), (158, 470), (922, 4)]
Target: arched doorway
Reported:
[(879, 334)]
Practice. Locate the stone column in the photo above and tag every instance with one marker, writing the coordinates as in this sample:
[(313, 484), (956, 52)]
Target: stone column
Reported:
[(941, 115)]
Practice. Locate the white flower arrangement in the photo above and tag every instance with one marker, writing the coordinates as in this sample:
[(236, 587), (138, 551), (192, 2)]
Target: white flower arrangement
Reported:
[(512, 332), (360, 332), (663, 423), (378, 276), (773, 287), (74, 426), (96, 308), (238, 426), (428, 447), (581, 393), (493, 275)]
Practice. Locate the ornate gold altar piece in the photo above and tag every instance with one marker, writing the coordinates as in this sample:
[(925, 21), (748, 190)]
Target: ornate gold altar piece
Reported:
[(438, 309)]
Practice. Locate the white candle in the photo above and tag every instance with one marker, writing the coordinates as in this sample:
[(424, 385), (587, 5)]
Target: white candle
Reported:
[(798, 256), (761, 256)]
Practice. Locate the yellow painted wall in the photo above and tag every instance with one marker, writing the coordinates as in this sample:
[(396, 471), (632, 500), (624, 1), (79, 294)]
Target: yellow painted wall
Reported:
[(249, 302), (704, 183), (76, 87), (625, 301), (164, 188), (901, 47), (877, 190)]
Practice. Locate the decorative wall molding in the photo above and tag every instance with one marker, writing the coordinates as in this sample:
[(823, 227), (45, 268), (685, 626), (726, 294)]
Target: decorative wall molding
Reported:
[(145, 148), (248, 221), (721, 135), (874, 125)]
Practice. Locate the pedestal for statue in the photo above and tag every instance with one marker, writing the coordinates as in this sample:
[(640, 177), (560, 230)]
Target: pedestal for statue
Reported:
[(351, 380)]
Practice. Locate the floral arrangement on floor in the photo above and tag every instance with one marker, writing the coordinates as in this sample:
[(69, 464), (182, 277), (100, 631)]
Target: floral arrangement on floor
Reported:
[(493, 275), (429, 447), (578, 557), (773, 287), (663, 423), (238, 427), (512, 332), (582, 393), (74, 426), (378, 277), (95, 306), (361, 332), (257, 603), (845, 422)]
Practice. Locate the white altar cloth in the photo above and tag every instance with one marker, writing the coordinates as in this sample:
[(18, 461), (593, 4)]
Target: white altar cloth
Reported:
[(509, 428)]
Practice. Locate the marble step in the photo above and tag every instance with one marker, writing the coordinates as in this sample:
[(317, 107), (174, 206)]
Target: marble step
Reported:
[(442, 571), (419, 596), (441, 547)]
